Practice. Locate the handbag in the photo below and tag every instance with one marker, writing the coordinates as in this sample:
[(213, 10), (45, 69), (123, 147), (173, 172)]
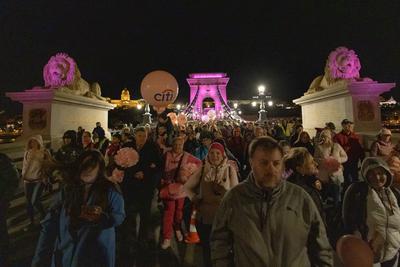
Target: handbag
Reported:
[(218, 189), (173, 190)]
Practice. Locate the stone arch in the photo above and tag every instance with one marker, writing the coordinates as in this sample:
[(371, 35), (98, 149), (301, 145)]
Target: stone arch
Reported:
[(207, 86)]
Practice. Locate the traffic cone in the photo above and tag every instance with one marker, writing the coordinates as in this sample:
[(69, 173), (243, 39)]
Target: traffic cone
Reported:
[(192, 237)]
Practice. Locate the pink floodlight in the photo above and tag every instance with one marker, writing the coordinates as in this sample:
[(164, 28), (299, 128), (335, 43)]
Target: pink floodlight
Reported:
[(207, 75)]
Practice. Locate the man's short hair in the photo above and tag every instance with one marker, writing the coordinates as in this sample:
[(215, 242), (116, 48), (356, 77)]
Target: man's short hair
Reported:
[(264, 143), (117, 135), (283, 143), (140, 129)]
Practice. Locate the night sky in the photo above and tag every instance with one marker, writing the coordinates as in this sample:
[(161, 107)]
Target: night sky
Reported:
[(281, 45)]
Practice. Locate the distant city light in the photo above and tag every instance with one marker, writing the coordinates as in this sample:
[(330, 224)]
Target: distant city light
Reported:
[(139, 106), (240, 112), (235, 105), (178, 107), (254, 104), (270, 103)]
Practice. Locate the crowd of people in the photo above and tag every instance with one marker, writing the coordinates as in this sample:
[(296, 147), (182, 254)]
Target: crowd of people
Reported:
[(264, 194)]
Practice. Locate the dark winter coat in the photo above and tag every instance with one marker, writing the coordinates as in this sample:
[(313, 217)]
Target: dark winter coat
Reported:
[(191, 145), (133, 188), (237, 146), (307, 183), (68, 154), (99, 131)]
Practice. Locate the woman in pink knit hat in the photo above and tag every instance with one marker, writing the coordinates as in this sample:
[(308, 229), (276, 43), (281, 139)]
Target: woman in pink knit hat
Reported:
[(206, 189)]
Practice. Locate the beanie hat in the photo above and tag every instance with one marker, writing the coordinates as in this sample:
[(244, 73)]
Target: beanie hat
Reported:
[(385, 131), (219, 147)]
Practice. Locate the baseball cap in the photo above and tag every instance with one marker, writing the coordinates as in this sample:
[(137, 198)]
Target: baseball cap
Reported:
[(330, 125), (346, 121)]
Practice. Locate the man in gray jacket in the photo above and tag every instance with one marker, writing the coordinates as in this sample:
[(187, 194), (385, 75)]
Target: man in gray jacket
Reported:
[(266, 221)]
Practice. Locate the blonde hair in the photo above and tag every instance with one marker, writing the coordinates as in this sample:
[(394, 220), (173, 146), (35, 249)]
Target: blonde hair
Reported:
[(327, 133)]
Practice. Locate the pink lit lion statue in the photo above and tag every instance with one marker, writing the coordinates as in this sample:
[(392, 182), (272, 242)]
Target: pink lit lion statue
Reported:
[(342, 67), (62, 73)]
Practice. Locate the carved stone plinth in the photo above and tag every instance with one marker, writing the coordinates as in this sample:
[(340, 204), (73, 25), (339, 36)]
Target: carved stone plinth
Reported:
[(50, 113), (356, 101)]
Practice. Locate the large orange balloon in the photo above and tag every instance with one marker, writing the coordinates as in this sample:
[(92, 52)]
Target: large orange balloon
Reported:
[(159, 88), (354, 252)]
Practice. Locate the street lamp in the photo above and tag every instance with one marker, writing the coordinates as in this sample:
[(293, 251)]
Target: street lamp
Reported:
[(261, 95), (178, 107), (235, 105), (254, 104), (139, 106), (261, 89), (270, 103)]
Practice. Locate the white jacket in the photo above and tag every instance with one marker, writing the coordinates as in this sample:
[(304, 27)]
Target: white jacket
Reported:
[(32, 165), (384, 223), (335, 151)]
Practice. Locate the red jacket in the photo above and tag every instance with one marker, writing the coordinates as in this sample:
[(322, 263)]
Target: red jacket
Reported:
[(351, 144)]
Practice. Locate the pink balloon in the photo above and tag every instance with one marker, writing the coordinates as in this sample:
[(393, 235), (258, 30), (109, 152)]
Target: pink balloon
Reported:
[(354, 252), (159, 88)]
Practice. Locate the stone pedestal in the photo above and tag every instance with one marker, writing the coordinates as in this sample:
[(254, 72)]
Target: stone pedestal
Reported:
[(356, 101), (50, 113)]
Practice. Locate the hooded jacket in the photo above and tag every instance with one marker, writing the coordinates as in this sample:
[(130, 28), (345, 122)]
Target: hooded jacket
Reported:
[(355, 199), (281, 227), (33, 161)]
